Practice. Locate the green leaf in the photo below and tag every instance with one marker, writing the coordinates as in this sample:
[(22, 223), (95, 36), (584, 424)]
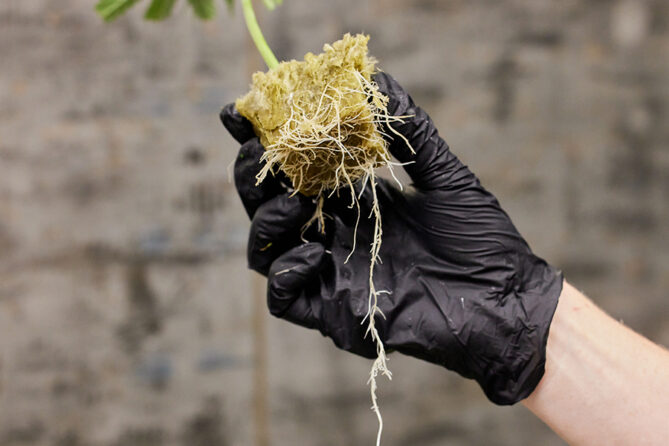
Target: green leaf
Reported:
[(159, 9), (204, 9), (272, 4), (110, 9)]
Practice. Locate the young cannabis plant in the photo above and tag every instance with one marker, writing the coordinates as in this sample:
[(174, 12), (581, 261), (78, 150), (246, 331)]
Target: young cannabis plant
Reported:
[(321, 121)]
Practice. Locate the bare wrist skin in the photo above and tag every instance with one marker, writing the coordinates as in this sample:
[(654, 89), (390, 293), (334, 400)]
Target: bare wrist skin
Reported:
[(604, 383)]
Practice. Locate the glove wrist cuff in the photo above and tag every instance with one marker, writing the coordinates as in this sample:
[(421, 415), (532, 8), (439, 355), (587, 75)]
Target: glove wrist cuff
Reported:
[(522, 367)]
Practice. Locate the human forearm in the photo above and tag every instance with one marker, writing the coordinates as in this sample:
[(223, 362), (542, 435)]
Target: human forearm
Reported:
[(604, 384)]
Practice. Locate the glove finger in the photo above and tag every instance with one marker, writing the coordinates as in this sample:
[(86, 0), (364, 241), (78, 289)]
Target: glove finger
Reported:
[(239, 127), (432, 164), (288, 277), (247, 167), (294, 294), (276, 227)]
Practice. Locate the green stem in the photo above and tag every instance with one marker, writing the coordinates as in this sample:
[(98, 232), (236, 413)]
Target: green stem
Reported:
[(256, 34)]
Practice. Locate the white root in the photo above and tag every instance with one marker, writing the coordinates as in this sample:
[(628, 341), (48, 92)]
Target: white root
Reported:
[(330, 141)]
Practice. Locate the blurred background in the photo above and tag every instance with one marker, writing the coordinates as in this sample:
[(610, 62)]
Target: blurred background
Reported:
[(127, 314)]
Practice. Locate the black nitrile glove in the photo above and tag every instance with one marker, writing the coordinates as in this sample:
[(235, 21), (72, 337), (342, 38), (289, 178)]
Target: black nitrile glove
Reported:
[(466, 291)]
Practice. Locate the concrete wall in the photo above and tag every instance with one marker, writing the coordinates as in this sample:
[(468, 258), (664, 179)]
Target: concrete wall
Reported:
[(126, 310)]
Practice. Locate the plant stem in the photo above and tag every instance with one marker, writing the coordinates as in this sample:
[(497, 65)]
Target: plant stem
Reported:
[(256, 34)]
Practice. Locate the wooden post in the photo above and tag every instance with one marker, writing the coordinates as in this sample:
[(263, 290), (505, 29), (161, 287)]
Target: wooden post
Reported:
[(260, 374)]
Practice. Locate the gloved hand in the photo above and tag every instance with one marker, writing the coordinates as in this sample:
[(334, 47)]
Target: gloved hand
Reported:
[(465, 290)]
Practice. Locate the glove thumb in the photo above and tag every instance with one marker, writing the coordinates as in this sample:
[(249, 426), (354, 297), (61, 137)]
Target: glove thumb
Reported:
[(430, 163)]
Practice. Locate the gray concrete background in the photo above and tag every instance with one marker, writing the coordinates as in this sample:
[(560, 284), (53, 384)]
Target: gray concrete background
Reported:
[(125, 305)]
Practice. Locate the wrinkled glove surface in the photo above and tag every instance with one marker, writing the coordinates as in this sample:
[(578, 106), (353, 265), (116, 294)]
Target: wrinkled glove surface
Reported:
[(465, 290)]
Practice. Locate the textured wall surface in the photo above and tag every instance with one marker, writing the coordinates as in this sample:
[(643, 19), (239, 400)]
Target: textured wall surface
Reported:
[(126, 310)]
